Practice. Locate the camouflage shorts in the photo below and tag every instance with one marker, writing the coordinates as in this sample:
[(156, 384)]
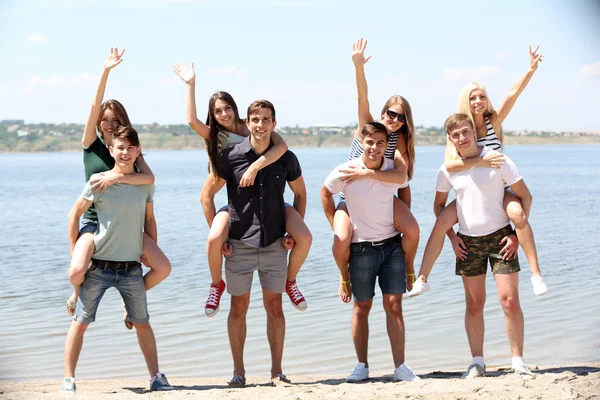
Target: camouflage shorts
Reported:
[(480, 249)]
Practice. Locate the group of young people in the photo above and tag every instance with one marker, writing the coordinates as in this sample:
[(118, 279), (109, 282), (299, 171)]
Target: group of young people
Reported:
[(112, 228)]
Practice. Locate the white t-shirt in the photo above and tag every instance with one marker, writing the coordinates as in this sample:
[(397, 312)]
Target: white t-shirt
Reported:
[(370, 202), (479, 195)]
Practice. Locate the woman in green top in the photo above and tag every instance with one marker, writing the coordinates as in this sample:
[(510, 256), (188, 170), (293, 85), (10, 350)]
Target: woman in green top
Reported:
[(103, 120)]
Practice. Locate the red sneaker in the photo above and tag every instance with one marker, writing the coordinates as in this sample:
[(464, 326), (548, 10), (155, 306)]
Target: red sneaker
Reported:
[(214, 298), (298, 301)]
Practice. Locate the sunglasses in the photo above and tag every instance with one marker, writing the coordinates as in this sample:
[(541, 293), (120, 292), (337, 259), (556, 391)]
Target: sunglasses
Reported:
[(393, 115)]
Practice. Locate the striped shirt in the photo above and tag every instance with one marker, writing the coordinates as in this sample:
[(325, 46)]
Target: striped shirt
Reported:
[(490, 140)]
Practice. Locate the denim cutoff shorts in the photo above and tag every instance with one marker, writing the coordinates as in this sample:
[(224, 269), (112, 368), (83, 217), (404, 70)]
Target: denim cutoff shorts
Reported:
[(87, 226), (130, 285), (386, 262)]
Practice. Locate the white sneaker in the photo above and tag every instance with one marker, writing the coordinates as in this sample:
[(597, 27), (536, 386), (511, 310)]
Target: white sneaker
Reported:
[(419, 287), (522, 370), (539, 286), (404, 373), (359, 374), (474, 371)]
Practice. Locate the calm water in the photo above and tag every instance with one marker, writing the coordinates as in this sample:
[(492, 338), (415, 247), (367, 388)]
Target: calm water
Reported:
[(38, 190)]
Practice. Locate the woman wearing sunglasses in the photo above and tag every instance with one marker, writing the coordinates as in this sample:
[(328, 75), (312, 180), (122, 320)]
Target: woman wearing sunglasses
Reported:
[(396, 116), (474, 102)]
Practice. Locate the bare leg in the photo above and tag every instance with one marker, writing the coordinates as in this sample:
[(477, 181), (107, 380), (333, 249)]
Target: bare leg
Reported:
[(342, 237), (508, 293), (236, 327), (297, 229), (392, 304), (73, 346), (275, 329), (80, 261), (159, 264), (219, 231), (360, 330), (147, 343), (405, 195), (444, 222), (512, 206), (406, 223), (475, 302)]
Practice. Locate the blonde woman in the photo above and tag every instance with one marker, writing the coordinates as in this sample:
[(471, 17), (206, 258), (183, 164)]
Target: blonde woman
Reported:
[(474, 102)]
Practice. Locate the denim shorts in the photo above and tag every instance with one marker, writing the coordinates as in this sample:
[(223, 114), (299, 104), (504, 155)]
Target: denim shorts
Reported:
[(270, 262), (368, 262), (87, 226), (130, 285)]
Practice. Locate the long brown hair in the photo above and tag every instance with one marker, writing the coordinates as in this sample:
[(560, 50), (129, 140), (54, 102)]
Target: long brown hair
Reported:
[(407, 130), (218, 134), (117, 108)]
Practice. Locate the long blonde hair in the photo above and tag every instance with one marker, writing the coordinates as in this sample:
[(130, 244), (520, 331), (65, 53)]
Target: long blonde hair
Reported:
[(464, 100), (407, 130)]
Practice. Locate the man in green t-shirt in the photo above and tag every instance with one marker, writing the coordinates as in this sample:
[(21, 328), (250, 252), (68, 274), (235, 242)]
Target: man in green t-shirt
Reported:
[(124, 212)]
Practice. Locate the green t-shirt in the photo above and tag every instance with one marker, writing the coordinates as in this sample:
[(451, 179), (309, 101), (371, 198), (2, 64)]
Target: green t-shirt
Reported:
[(96, 159), (121, 211)]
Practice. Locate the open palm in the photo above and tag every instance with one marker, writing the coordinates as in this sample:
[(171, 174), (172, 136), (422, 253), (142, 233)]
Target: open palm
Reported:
[(187, 74), (358, 52), (114, 58)]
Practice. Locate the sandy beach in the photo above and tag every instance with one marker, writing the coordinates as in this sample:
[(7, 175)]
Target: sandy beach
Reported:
[(561, 383)]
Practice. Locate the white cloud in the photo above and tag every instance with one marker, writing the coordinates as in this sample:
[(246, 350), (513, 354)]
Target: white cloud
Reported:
[(80, 80), (231, 70), (454, 74), (83, 79), (37, 38), (592, 70), (38, 80)]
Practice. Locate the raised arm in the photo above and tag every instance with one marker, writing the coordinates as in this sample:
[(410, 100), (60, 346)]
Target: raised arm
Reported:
[(508, 103), (150, 227), (207, 197), (89, 132), (188, 75), (80, 206), (359, 60), (299, 189), (279, 148)]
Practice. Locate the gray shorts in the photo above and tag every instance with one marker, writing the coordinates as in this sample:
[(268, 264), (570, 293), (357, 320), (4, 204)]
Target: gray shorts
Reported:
[(270, 262)]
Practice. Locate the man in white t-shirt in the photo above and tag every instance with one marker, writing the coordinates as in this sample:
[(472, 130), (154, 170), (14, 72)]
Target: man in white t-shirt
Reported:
[(485, 230), (375, 252)]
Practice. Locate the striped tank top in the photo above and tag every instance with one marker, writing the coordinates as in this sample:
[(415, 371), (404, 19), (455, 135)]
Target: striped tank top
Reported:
[(490, 140)]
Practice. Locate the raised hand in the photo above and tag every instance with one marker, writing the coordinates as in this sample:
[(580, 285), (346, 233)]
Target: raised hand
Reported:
[(187, 74), (358, 52), (535, 58), (114, 58)]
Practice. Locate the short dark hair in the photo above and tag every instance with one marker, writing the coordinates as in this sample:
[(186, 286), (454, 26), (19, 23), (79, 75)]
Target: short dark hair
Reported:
[(374, 127), (126, 132), (259, 105), (457, 119)]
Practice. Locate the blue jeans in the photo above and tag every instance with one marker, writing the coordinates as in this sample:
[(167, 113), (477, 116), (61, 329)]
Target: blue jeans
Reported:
[(368, 262), (130, 285)]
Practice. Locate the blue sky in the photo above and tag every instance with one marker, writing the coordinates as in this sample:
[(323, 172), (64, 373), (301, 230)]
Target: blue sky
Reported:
[(297, 54)]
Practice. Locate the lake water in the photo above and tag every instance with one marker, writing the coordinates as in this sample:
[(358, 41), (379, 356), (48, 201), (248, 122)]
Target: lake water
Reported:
[(38, 190)]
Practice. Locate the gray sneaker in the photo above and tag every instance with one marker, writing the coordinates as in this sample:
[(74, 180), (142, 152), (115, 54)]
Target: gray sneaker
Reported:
[(68, 386), (522, 370), (159, 382), (474, 371)]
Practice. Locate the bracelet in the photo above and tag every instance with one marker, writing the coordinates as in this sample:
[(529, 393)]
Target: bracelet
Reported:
[(413, 274), (343, 281)]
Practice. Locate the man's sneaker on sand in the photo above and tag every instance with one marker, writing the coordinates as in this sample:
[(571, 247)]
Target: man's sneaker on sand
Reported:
[(539, 286), (522, 370), (404, 373), (68, 386), (214, 298), (359, 374), (419, 287), (160, 382), (474, 371), (298, 301)]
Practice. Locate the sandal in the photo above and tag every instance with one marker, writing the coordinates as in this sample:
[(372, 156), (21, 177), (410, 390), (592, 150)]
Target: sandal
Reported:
[(237, 381), (71, 305), (345, 289), (126, 321)]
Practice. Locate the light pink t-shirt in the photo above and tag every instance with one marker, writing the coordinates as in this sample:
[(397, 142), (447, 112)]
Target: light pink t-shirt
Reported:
[(479, 195), (370, 202)]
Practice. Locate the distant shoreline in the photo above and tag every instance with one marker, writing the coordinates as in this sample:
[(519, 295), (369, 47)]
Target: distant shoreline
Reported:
[(152, 141)]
